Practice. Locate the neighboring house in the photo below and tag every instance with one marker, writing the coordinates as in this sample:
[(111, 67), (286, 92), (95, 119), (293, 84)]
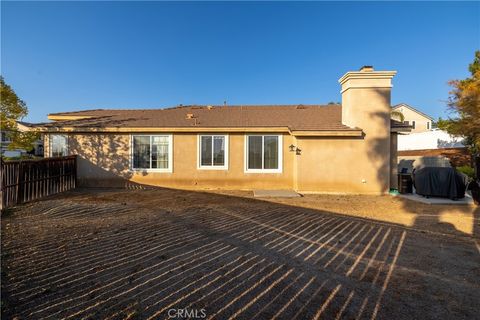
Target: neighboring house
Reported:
[(4, 143), (434, 139), (348, 148), (419, 121), (14, 153), (424, 145)]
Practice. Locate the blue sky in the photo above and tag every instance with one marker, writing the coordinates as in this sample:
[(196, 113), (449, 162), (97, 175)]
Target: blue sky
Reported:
[(63, 56)]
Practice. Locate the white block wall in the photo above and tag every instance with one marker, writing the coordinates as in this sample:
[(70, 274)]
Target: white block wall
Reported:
[(435, 139)]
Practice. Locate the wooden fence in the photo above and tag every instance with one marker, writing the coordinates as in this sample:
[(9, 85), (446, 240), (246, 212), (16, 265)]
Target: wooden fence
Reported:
[(26, 180)]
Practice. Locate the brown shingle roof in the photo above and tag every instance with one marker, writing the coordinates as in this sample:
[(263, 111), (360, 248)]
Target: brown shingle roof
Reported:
[(294, 117)]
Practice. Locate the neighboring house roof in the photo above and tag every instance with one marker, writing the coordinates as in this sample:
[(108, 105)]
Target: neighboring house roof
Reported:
[(293, 117), (411, 108)]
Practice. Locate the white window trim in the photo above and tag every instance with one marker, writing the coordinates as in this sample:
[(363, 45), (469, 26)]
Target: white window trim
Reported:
[(199, 152), (50, 140), (280, 155), (170, 153)]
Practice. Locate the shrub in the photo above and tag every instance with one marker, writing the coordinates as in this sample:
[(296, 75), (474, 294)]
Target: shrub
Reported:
[(467, 170)]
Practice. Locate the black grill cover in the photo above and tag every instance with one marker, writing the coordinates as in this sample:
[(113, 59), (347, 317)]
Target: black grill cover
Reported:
[(440, 182)]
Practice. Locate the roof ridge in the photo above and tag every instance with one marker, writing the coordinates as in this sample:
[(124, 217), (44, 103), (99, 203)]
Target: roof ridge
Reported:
[(113, 109), (195, 105), (412, 108)]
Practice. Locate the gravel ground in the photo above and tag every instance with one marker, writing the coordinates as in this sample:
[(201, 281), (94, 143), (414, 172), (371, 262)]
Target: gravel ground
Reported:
[(139, 254)]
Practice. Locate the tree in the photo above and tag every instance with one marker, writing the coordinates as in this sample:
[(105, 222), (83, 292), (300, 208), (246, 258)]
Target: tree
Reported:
[(464, 102), (13, 109), (397, 115)]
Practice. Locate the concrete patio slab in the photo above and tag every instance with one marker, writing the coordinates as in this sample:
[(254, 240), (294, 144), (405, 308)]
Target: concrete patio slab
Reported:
[(275, 194), (442, 201)]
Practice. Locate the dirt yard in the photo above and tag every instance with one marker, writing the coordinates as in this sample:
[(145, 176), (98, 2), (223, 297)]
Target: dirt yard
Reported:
[(150, 254)]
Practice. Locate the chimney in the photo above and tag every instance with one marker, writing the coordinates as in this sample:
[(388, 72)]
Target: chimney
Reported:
[(365, 96), (366, 69), (366, 105)]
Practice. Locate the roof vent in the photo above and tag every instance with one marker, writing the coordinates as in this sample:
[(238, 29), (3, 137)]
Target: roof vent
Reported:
[(366, 69)]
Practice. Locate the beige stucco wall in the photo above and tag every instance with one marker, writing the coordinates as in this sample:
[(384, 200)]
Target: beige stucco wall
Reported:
[(104, 160), (365, 165), (336, 166), (420, 120), (325, 165)]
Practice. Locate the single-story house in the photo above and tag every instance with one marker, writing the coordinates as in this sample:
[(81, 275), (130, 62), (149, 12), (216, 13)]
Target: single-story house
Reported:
[(347, 148)]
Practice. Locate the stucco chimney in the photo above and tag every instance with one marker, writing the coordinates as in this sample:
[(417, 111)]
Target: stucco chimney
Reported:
[(366, 97), (366, 105)]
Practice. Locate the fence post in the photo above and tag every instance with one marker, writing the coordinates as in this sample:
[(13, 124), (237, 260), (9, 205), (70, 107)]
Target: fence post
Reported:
[(75, 163), (20, 183), (2, 169)]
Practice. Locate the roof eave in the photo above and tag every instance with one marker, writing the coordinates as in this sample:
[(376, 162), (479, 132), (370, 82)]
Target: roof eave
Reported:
[(50, 128), (327, 133), (401, 129), (299, 133)]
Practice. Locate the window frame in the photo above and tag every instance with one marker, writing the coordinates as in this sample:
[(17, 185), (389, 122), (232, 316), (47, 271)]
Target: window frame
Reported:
[(50, 140), (199, 152), (280, 154), (170, 153), (4, 137)]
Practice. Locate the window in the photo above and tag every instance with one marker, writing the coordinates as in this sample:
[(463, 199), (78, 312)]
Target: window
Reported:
[(152, 152), (58, 145), (263, 153), (4, 137), (413, 124), (428, 125), (213, 152)]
